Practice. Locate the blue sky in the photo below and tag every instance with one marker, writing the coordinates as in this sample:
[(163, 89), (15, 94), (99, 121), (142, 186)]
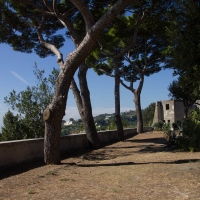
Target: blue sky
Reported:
[(16, 72)]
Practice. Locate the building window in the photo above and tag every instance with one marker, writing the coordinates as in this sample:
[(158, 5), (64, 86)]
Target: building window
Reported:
[(167, 106), (168, 121)]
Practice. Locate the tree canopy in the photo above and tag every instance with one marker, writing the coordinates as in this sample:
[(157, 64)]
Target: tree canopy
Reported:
[(183, 89), (183, 32), (134, 48), (14, 128), (148, 114)]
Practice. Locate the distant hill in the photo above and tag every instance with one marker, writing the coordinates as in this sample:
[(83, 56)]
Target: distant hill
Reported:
[(104, 119)]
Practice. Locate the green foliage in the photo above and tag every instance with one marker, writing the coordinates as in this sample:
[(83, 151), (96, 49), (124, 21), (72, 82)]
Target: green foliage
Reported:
[(148, 114), (106, 121), (75, 128), (166, 129), (31, 102), (14, 128), (182, 143), (129, 116), (158, 126), (183, 34), (125, 123), (190, 141), (65, 130), (112, 125), (183, 89), (19, 25)]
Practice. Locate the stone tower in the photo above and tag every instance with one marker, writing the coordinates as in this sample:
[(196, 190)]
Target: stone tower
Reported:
[(158, 114)]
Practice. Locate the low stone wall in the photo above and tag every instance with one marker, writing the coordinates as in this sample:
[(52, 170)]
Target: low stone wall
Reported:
[(20, 151)]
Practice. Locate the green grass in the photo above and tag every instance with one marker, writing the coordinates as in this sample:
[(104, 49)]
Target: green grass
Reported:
[(54, 173), (64, 179), (31, 192)]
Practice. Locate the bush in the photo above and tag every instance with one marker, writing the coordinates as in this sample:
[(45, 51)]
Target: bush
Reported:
[(182, 143), (166, 130), (158, 126), (190, 141)]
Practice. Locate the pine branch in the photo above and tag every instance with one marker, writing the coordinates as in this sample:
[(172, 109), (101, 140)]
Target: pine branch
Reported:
[(129, 88), (108, 74), (49, 46), (85, 11)]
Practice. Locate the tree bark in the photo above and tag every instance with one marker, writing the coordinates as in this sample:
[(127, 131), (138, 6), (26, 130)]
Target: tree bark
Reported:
[(120, 131), (73, 61), (84, 106), (138, 112)]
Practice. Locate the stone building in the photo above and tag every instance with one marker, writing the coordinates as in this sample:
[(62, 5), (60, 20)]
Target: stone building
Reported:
[(169, 111)]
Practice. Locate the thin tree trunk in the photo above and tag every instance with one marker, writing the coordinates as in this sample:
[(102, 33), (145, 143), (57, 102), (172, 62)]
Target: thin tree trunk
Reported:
[(138, 112), (120, 131), (84, 107)]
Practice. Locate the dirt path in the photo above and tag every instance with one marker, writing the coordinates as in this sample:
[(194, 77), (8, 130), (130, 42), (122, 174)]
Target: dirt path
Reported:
[(135, 169)]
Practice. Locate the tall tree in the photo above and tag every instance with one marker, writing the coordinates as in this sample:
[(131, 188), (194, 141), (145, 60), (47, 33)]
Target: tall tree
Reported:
[(146, 60), (146, 57), (14, 128), (82, 98), (82, 95), (148, 114), (39, 21), (114, 44), (137, 41), (31, 102), (183, 32)]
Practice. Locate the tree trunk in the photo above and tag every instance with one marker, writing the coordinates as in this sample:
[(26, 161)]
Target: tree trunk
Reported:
[(138, 112), (56, 109), (53, 129), (84, 107), (120, 131), (52, 141), (186, 112)]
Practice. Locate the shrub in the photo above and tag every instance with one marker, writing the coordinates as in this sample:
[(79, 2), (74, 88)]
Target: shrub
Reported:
[(158, 126), (190, 141), (166, 130)]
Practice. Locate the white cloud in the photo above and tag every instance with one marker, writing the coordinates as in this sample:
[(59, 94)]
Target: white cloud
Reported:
[(72, 112), (19, 77)]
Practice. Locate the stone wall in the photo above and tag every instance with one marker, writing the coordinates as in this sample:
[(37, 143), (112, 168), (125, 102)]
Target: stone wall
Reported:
[(21, 151)]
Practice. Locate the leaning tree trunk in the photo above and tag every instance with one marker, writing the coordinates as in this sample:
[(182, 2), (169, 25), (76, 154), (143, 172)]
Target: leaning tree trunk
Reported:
[(120, 131), (84, 107), (138, 112), (53, 116), (55, 112)]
